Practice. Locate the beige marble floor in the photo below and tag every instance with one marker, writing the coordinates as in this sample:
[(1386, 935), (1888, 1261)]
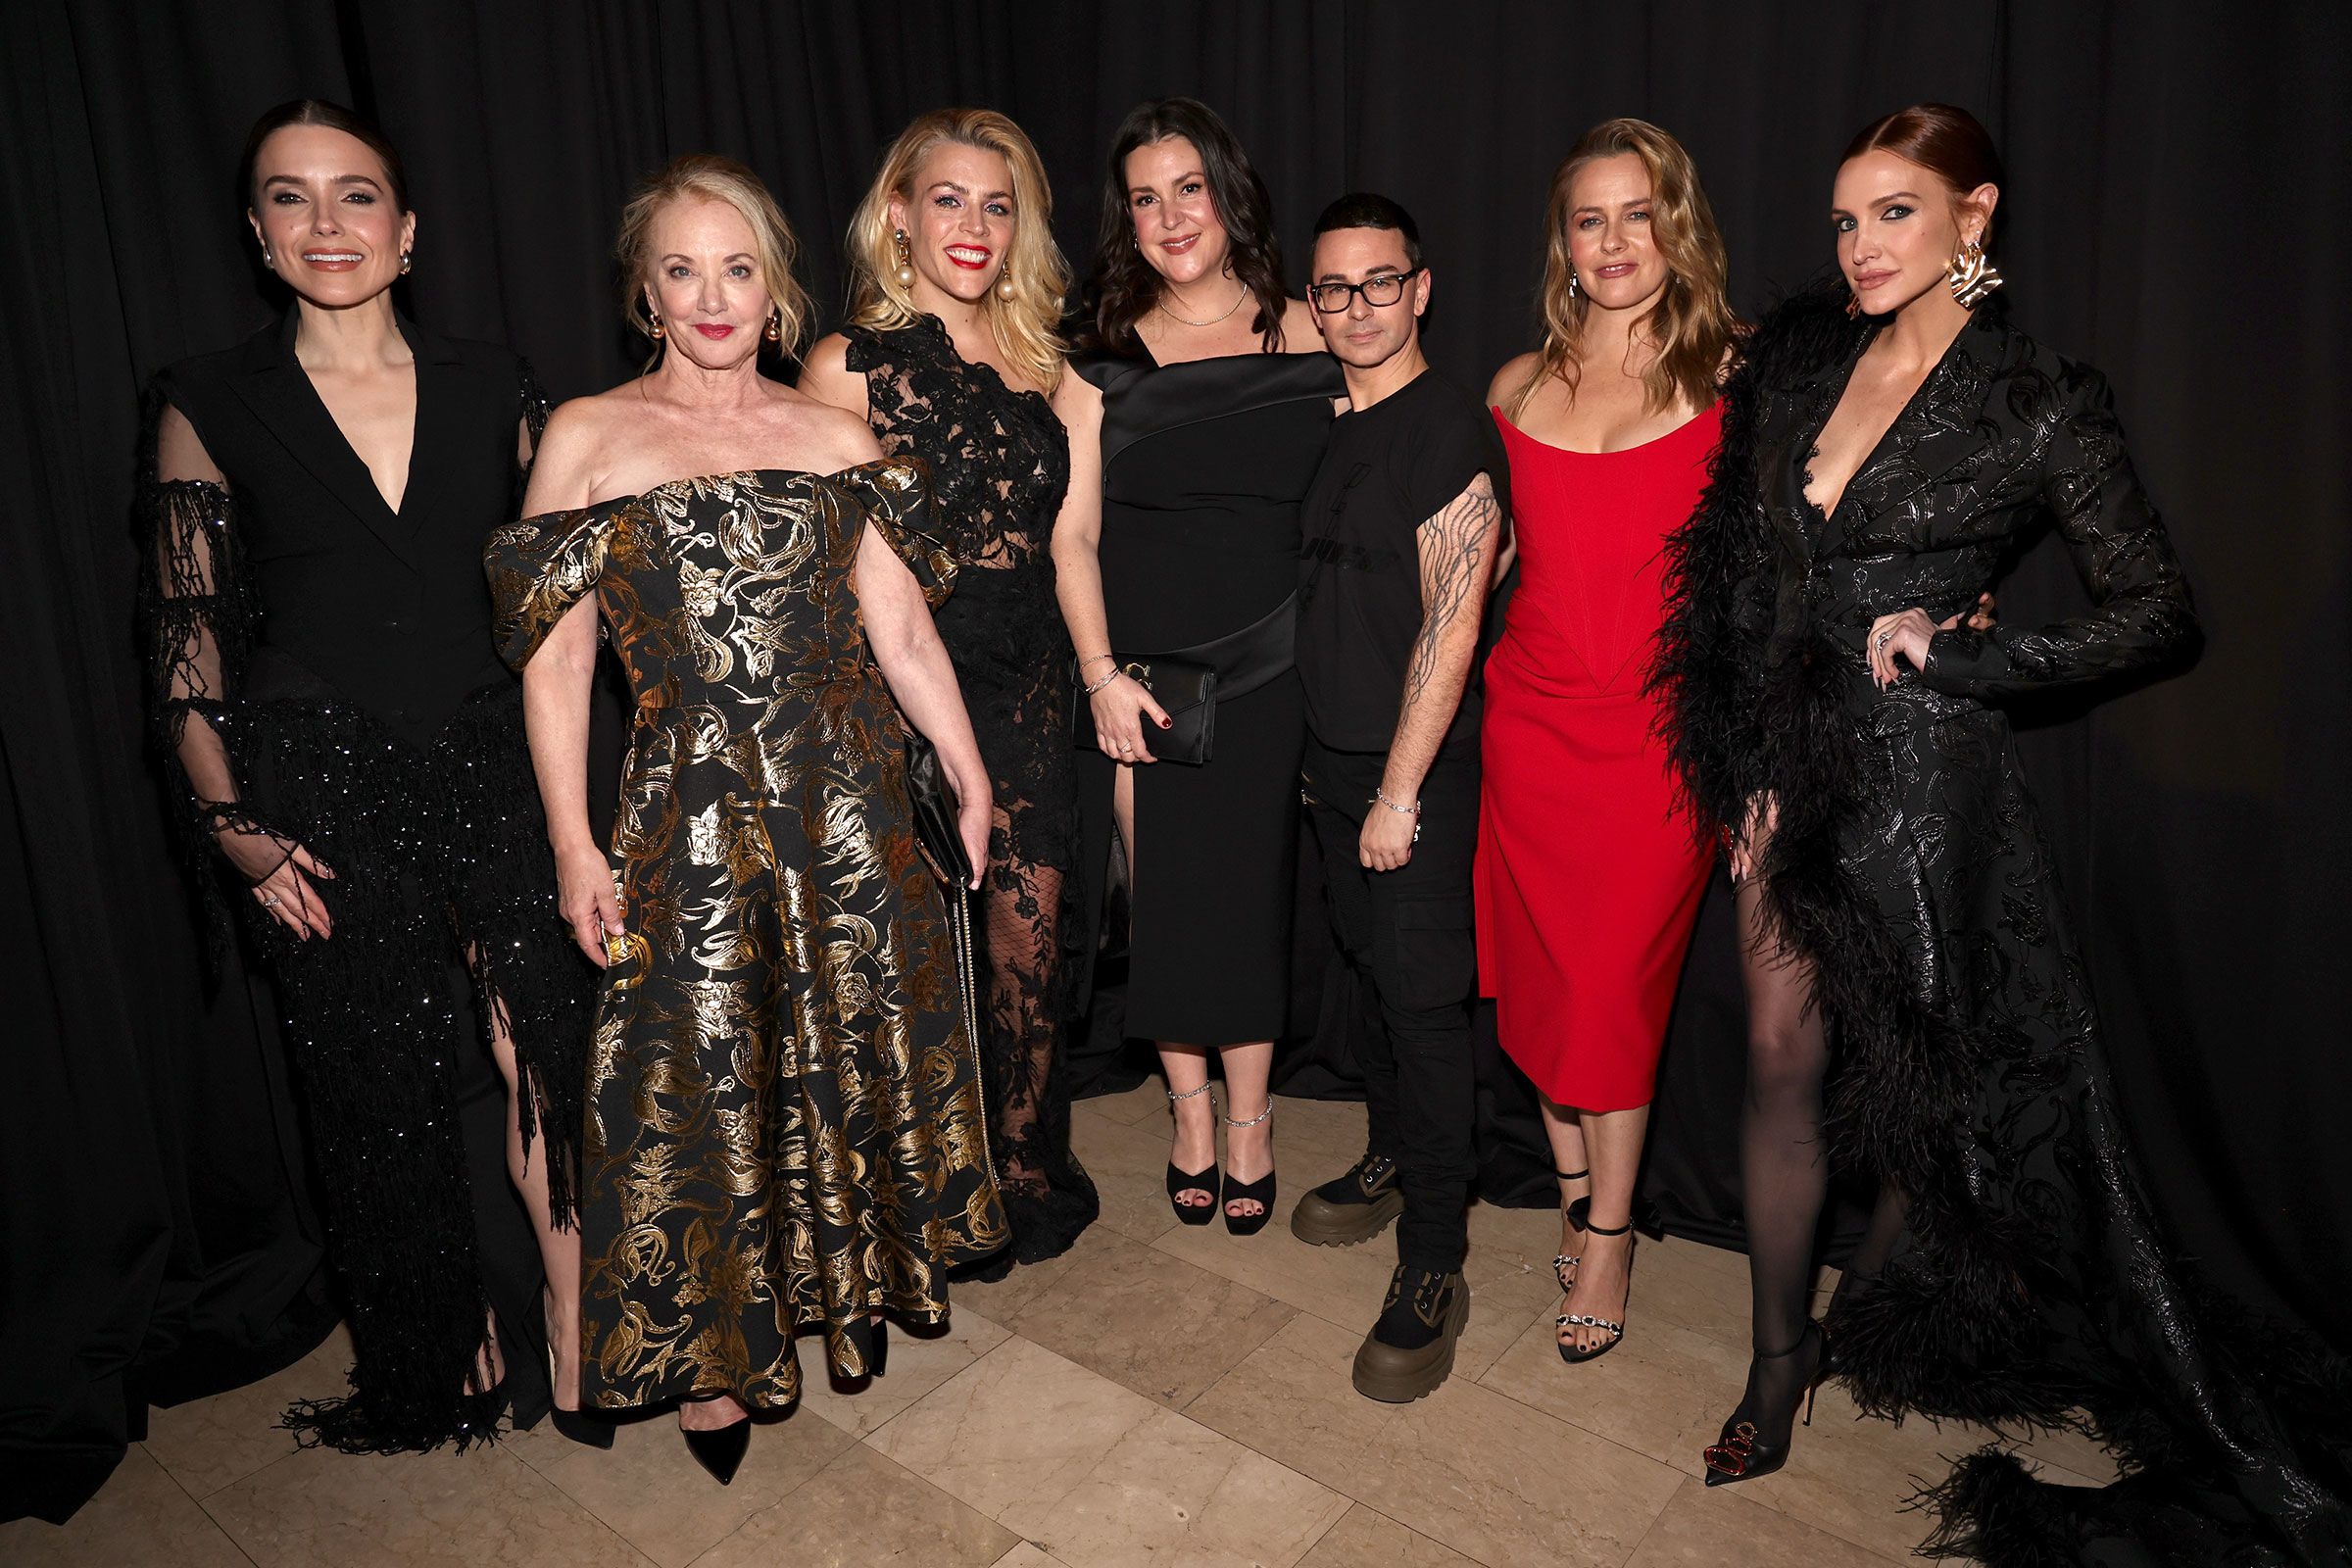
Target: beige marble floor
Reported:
[(1161, 1395)]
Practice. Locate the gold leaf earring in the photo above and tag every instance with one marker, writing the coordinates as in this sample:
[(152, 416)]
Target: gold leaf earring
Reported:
[(1972, 274), (906, 272)]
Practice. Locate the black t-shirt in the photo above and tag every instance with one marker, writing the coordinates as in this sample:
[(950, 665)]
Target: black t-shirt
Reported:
[(1386, 471)]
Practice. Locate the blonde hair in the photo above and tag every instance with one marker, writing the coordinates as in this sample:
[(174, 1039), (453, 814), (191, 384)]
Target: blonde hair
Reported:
[(1692, 322), (1025, 325), (709, 178)]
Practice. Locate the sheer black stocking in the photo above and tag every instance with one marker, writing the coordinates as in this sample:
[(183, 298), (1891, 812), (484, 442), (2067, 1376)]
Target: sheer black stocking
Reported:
[(1018, 911), (1783, 1167)]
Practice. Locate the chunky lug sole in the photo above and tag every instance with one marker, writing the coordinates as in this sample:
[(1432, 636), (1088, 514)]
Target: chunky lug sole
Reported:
[(1319, 1222), (1399, 1377)]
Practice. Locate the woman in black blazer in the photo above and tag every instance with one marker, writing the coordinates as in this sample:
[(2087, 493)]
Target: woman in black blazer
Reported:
[(352, 748)]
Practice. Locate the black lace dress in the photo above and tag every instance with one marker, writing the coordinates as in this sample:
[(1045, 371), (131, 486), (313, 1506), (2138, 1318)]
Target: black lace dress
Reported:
[(1000, 462), (2031, 1287)]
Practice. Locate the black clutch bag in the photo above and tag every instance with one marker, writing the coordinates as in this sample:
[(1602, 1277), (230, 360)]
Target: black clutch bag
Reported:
[(935, 803), (1185, 688)]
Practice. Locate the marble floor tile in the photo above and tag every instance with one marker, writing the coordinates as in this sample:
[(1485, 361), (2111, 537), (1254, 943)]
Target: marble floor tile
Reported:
[(411, 1510), (1147, 1099), (998, 1300), (1128, 1167), (649, 1488), (1699, 1525), (1026, 1555), (1483, 1474), (209, 1444), (864, 1511), (1658, 1385), (1171, 1494), (139, 1518), (1345, 1285), (1020, 1427), (914, 1366), (1363, 1538), (1149, 1321)]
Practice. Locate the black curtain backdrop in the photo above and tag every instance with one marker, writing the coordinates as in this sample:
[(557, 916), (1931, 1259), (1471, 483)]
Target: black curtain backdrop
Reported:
[(2175, 215)]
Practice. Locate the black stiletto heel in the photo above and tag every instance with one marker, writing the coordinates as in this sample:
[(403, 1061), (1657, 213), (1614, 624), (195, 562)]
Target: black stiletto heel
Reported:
[(719, 1450), (1741, 1452), (1192, 1181), (588, 1431), (1259, 1191)]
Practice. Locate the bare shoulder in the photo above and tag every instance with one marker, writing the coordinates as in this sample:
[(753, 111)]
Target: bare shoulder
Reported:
[(1298, 333), (1515, 373), (564, 468), (1078, 401), (835, 437)]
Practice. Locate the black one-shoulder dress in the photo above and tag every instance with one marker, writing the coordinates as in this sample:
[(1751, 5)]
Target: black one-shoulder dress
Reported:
[(1204, 466)]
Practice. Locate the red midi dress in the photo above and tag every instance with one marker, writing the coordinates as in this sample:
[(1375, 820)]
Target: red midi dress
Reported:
[(1588, 883)]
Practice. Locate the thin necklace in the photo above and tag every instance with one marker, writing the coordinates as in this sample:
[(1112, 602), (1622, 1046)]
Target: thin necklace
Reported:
[(1212, 321)]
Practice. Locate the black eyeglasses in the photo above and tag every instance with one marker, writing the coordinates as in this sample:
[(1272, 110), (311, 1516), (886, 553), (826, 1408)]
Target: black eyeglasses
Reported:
[(1386, 289)]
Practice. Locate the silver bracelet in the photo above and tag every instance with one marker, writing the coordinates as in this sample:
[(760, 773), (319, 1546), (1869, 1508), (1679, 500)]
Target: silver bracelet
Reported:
[(1089, 691), (1380, 797)]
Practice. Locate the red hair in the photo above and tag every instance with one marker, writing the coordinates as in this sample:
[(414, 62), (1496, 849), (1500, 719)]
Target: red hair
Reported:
[(1947, 142)]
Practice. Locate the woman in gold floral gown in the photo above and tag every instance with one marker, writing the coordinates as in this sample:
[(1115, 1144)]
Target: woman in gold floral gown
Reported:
[(784, 1119)]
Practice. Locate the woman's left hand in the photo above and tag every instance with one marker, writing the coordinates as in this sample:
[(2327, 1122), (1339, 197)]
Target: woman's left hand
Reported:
[(974, 814), (1908, 634)]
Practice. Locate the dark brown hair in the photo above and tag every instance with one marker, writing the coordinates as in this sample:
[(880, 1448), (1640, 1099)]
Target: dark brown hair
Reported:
[(1947, 142), (318, 112), (1125, 285)]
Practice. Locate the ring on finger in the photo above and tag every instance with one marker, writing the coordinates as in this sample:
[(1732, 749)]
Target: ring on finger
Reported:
[(1883, 638), (268, 901)]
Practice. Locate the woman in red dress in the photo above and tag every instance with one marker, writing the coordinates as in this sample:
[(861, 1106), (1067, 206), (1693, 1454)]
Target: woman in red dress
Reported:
[(1587, 883)]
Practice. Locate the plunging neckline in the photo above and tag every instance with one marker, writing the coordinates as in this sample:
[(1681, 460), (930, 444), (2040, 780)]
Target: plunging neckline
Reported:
[(408, 474), (1812, 448)]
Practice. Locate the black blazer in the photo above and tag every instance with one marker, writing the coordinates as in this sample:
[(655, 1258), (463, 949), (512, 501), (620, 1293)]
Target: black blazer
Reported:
[(387, 610)]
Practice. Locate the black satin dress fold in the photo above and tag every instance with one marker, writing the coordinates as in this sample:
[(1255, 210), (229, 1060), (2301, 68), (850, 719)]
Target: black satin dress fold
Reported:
[(2031, 1289)]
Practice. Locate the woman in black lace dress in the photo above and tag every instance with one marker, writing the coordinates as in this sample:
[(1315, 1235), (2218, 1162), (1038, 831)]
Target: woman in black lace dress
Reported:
[(351, 747), (951, 357), (1888, 441)]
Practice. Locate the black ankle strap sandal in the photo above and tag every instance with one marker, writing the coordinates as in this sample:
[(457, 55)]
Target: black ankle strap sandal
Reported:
[(1566, 1320), (1563, 1267)]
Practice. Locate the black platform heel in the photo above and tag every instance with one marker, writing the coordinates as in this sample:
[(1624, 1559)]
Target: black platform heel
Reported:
[(1259, 1191), (1740, 1451), (1192, 1181), (719, 1450)]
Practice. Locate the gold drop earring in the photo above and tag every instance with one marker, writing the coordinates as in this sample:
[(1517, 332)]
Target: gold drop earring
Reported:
[(1004, 288), (906, 272), (653, 327), (1971, 275), (775, 326), (407, 261)]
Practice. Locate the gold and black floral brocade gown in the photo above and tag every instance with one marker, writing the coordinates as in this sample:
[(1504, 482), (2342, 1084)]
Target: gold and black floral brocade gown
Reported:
[(785, 1124)]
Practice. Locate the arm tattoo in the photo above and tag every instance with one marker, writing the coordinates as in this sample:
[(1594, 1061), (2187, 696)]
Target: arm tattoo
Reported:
[(1453, 543)]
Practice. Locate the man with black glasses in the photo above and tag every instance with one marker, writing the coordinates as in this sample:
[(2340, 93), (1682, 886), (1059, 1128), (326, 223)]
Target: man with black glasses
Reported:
[(1401, 528)]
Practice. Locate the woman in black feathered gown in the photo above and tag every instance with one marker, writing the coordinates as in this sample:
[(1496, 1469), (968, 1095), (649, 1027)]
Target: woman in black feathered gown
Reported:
[(1906, 939)]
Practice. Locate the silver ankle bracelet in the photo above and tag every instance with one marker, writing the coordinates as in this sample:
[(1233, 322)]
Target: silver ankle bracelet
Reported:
[(1254, 1120)]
